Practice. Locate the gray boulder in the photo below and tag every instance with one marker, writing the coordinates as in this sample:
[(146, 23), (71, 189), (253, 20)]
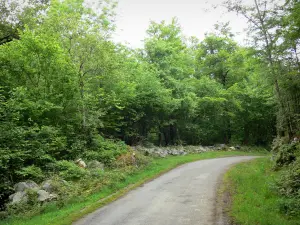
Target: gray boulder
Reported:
[(11, 197), (222, 146), (43, 195), (53, 197), (174, 152), (162, 154), (52, 185), (22, 186), (18, 197), (182, 152), (232, 148), (47, 186), (201, 149)]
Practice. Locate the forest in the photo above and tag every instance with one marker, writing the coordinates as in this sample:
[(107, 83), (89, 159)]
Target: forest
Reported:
[(68, 91)]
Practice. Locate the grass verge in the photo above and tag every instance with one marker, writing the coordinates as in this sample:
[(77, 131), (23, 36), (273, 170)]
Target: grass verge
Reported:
[(253, 199), (77, 209)]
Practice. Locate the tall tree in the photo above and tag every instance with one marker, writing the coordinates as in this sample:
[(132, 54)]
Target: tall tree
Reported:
[(265, 19)]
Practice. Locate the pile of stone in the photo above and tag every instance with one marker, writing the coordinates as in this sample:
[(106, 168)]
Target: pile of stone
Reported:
[(44, 192), (161, 151), (180, 150)]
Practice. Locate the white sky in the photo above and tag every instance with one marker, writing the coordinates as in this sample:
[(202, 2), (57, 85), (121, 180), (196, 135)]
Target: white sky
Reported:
[(134, 16)]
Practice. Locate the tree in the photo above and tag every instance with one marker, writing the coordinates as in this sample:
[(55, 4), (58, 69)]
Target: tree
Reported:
[(265, 19), (167, 52), (15, 14)]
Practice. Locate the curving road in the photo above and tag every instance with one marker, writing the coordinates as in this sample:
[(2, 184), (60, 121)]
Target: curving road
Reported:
[(183, 196)]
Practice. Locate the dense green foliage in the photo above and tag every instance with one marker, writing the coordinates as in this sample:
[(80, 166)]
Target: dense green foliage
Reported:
[(68, 91), (274, 30), (287, 162)]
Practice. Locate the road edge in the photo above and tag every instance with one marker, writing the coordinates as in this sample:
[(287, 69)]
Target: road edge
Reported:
[(223, 199)]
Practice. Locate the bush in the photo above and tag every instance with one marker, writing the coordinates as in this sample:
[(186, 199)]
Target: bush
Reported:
[(290, 206), (278, 142), (289, 187), (289, 183), (287, 153), (31, 172), (142, 160), (69, 170), (105, 151), (128, 159), (106, 157), (3, 215)]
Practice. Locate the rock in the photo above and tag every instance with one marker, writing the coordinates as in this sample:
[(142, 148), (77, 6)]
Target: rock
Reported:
[(43, 195), (52, 185), (222, 146), (53, 197), (22, 186), (19, 196), (162, 154), (47, 186), (232, 148), (174, 152), (11, 197), (94, 164), (202, 149), (80, 163), (182, 152)]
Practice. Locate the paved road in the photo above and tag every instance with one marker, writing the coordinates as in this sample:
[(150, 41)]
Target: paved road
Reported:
[(183, 196)]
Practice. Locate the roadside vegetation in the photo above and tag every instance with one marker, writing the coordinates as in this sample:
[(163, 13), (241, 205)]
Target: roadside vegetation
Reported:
[(266, 190), (93, 191)]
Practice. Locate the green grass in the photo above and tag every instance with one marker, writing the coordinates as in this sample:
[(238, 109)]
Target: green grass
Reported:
[(253, 197), (73, 211)]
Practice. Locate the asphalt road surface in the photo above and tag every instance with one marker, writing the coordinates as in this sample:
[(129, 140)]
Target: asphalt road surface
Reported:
[(184, 196)]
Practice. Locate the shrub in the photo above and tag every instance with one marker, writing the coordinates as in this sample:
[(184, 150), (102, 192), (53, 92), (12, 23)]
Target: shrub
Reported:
[(105, 151), (31, 172), (289, 187), (278, 142), (106, 157), (96, 172), (142, 160), (125, 160), (289, 182), (69, 170), (290, 206), (129, 160), (287, 153), (3, 215)]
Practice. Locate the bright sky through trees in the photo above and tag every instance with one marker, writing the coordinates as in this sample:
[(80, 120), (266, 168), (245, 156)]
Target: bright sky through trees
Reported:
[(195, 16)]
